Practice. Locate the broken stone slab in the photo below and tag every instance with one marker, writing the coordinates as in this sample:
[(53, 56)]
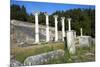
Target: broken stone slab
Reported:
[(44, 57)]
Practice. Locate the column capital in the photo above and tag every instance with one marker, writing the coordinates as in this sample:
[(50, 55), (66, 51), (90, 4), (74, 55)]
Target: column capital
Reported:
[(36, 12), (46, 14), (55, 16), (69, 19), (62, 17)]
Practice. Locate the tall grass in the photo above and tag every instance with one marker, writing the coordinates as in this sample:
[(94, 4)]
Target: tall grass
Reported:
[(22, 53), (79, 56)]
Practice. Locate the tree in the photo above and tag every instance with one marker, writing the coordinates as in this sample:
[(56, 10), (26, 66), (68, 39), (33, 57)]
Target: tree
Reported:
[(18, 13), (15, 12), (23, 14), (84, 18)]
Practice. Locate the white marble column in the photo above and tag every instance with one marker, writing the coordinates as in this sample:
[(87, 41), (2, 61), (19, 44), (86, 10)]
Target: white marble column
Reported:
[(69, 24), (81, 32), (36, 28), (47, 27), (56, 29), (63, 28)]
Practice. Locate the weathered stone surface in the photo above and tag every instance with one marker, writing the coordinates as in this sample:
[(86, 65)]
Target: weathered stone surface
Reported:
[(93, 41), (85, 41), (42, 58), (15, 63), (23, 33), (71, 35)]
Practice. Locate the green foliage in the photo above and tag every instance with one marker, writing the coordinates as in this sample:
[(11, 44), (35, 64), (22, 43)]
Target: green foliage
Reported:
[(84, 18), (18, 12), (31, 18), (15, 12), (23, 14), (42, 18)]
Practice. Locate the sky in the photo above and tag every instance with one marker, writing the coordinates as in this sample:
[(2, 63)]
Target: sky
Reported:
[(48, 7)]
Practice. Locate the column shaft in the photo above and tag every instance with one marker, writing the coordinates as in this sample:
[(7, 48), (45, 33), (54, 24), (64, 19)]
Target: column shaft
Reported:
[(36, 28), (69, 24), (81, 32), (56, 29), (47, 28), (63, 28)]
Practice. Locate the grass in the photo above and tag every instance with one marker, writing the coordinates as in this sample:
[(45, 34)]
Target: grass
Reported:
[(80, 56), (22, 53), (84, 54)]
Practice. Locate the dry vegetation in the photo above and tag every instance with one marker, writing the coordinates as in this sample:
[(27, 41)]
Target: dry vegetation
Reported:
[(21, 53), (84, 54)]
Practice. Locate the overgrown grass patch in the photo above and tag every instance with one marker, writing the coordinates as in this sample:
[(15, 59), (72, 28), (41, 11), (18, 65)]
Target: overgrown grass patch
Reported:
[(82, 53), (80, 56), (22, 53)]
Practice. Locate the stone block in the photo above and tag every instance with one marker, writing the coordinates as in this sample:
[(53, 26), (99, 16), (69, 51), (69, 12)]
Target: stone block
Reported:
[(85, 41), (44, 57), (71, 35)]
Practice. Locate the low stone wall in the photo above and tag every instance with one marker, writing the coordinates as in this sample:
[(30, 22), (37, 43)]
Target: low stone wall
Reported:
[(45, 57)]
